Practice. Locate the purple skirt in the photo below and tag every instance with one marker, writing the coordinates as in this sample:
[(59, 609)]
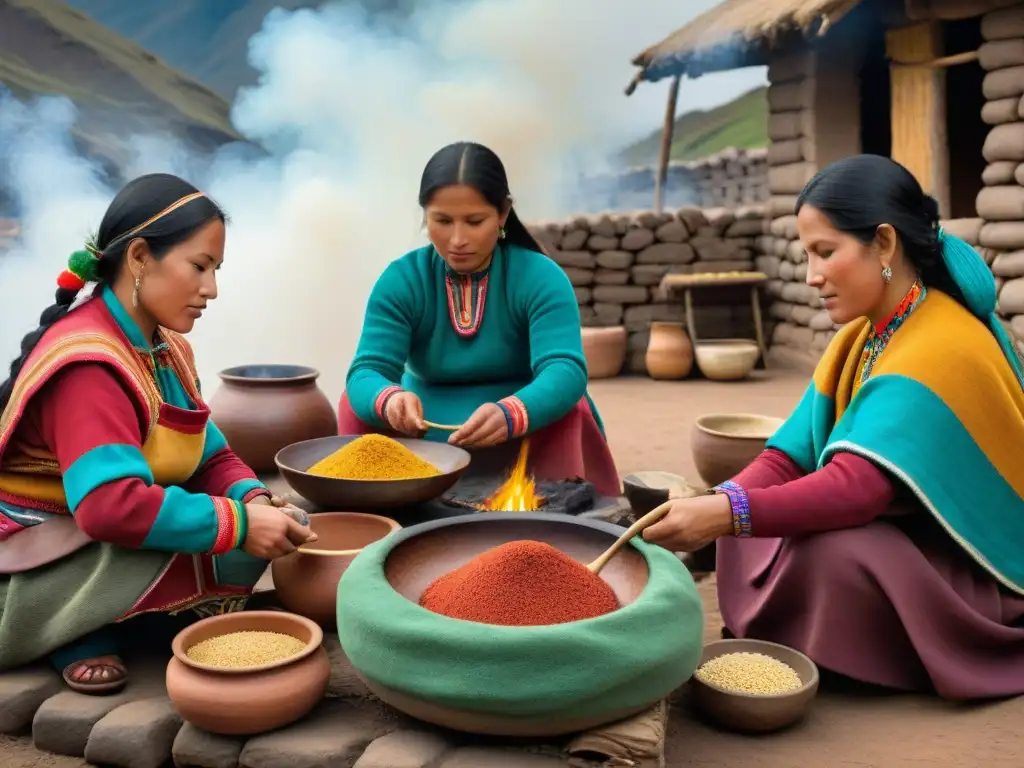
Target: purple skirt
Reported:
[(896, 604)]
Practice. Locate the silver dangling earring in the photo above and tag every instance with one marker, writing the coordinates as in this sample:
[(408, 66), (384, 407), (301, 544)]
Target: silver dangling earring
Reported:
[(501, 233), (887, 274), (135, 293)]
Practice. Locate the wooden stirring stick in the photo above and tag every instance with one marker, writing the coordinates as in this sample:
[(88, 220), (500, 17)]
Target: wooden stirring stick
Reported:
[(644, 522), (446, 427), (675, 491)]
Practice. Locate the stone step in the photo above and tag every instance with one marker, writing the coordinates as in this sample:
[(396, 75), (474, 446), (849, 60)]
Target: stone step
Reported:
[(139, 728)]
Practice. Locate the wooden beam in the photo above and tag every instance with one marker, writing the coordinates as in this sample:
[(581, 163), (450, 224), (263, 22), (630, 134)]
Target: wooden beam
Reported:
[(666, 143), (942, 63), (919, 140)]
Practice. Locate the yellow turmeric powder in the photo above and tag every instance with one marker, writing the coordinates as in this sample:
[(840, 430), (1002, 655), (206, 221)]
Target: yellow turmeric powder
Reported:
[(373, 457)]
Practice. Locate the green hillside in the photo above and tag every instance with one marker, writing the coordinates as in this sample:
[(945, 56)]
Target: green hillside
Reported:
[(742, 123), (118, 87)]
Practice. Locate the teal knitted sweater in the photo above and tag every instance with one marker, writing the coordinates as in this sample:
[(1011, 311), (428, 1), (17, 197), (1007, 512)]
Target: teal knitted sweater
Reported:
[(508, 334)]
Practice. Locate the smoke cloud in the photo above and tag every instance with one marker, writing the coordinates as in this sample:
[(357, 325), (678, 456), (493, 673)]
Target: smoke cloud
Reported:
[(350, 108)]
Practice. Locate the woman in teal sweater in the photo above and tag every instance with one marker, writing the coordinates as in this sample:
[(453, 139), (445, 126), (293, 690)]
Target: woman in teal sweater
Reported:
[(478, 328)]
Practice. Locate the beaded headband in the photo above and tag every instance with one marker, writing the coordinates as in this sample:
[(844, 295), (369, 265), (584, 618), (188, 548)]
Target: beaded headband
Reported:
[(83, 265)]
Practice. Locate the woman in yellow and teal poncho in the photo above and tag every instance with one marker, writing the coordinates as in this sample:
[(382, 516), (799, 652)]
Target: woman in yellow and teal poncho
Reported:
[(119, 497), (882, 531)]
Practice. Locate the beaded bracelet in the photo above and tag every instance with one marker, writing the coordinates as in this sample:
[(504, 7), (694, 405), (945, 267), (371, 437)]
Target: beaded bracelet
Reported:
[(740, 505)]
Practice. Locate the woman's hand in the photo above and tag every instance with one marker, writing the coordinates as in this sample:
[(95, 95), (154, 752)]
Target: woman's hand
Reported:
[(295, 513), (487, 426), (404, 413), (692, 524), (273, 532)]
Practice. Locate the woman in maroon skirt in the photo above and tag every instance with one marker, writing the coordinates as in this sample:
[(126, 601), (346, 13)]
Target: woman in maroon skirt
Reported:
[(479, 329), (882, 531)]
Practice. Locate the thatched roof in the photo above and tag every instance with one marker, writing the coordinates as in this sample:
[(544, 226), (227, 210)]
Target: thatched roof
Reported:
[(734, 34)]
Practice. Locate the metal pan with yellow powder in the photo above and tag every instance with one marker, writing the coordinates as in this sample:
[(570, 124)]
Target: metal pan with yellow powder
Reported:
[(295, 461)]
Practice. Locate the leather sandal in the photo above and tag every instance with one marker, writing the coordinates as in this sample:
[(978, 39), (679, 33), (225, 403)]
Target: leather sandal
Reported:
[(112, 682)]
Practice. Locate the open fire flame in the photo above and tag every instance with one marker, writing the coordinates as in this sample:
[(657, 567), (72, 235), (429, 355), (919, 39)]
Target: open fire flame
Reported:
[(519, 491)]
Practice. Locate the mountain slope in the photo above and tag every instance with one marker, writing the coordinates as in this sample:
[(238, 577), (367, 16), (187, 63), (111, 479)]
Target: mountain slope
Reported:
[(48, 48), (208, 39), (742, 123)]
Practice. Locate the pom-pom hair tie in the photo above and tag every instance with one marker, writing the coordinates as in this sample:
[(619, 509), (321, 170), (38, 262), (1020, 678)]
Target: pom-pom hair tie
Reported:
[(83, 267)]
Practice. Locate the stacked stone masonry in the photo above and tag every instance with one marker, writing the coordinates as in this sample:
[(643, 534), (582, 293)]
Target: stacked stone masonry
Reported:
[(800, 322), (140, 728), (616, 262), (1001, 202), (730, 178)]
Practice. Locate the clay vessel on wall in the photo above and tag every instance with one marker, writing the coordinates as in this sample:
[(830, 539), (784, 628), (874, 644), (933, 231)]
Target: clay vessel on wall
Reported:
[(243, 702), (306, 581), (605, 350), (264, 408), (669, 352), (724, 443)]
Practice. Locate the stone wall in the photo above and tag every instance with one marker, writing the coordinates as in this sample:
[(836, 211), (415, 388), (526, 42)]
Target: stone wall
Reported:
[(802, 328), (1001, 202), (616, 263), (731, 178)]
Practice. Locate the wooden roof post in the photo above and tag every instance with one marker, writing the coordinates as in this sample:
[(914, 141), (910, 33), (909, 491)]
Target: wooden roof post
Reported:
[(919, 140), (666, 144)]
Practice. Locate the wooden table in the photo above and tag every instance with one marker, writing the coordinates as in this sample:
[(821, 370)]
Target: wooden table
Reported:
[(688, 283)]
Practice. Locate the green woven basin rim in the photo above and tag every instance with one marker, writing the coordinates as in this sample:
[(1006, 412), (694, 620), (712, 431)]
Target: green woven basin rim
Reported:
[(627, 659)]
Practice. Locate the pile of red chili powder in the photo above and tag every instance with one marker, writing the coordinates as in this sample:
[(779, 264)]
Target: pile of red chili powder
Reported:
[(521, 583)]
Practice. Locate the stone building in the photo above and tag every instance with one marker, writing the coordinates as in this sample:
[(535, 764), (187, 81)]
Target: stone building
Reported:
[(937, 85)]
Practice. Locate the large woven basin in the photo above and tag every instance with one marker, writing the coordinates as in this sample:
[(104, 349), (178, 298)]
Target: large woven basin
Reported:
[(517, 681), (294, 460)]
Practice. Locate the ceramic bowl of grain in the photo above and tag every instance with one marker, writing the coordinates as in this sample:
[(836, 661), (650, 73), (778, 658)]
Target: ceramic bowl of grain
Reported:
[(753, 686), (370, 477), (247, 672)]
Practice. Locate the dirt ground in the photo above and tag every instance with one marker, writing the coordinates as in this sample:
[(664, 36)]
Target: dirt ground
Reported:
[(648, 424)]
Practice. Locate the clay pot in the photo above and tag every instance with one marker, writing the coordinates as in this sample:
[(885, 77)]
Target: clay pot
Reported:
[(306, 581), (243, 702), (263, 408), (669, 352), (605, 350), (725, 443), (727, 359)]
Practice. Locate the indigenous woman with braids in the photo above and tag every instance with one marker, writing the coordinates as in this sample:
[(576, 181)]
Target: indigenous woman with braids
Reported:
[(118, 495), (479, 329), (882, 530)]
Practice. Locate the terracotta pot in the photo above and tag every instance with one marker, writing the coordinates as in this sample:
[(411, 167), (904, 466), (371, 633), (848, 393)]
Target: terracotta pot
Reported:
[(669, 352), (306, 581), (243, 702), (725, 443), (605, 350), (264, 408), (727, 359)]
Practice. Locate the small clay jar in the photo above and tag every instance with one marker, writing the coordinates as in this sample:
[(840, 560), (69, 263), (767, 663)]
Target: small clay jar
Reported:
[(244, 702), (306, 581), (605, 350), (669, 351), (264, 408)]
